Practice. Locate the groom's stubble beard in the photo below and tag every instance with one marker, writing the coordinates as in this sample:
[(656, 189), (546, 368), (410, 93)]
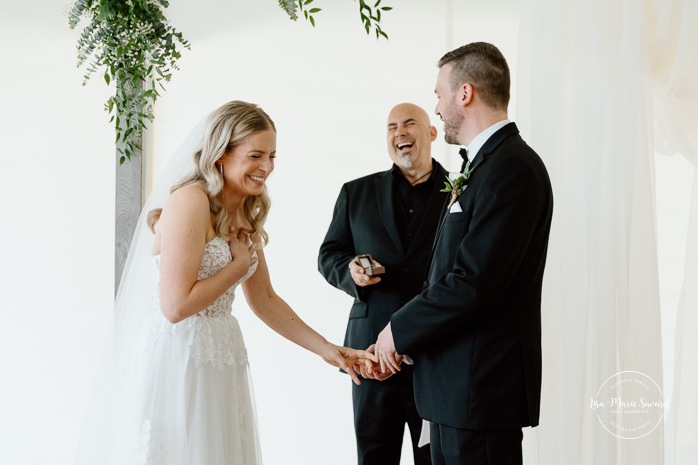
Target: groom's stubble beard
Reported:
[(449, 136), (452, 124)]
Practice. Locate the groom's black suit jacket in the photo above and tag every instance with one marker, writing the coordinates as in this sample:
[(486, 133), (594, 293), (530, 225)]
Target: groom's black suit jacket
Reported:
[(364, 222), (475, 331)]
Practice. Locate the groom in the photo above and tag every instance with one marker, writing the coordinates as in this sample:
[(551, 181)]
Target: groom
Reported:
[(474, 333)]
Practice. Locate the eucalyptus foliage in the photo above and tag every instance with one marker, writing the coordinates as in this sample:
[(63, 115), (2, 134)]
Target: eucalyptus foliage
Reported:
[(370, 16), (138, 49)]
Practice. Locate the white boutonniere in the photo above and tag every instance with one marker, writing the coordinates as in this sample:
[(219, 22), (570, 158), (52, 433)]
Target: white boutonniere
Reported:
[(456, 184)]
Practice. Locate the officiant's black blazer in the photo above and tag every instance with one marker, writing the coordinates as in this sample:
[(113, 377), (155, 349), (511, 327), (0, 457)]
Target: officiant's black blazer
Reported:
[(364, 222), (475, 332)]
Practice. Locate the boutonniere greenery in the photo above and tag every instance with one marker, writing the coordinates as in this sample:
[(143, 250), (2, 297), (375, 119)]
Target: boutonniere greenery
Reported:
[(456, 184)]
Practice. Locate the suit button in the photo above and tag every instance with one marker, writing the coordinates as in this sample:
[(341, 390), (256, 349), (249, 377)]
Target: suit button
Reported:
[(425, 286), (405, 268)]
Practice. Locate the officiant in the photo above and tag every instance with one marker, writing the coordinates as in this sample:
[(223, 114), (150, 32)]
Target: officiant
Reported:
[(392, 216)]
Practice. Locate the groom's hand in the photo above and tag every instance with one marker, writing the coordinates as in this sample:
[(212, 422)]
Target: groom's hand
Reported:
[(386, 353), (371, 370)]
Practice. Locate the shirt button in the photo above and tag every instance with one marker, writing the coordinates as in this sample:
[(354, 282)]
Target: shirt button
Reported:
[(405, 268), (410, 210)]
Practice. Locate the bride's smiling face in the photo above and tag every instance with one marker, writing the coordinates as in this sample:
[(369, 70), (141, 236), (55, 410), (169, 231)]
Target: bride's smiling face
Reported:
[(247, 166)]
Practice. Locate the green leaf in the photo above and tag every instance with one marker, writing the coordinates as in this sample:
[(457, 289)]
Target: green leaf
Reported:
[(386, 8), (377, 3), (312, 21), (107, 78), (314, 10)]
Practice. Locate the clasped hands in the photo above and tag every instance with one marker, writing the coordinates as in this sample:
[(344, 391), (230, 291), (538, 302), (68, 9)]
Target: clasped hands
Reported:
[(380, 361), (386, 361)]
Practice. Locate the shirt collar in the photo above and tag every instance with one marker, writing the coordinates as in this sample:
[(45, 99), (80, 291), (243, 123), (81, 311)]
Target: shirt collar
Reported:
[(479, 140), (397, 173)]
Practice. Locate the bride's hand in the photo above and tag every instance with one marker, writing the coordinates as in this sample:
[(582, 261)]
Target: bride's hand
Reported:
[(346, 358), (241, 249)]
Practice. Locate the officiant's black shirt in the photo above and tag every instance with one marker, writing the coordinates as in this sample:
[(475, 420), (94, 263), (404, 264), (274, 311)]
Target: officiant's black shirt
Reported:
[(410, 203)]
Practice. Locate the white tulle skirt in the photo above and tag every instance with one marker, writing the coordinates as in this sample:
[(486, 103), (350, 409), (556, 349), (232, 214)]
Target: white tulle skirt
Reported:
[(183, 396)]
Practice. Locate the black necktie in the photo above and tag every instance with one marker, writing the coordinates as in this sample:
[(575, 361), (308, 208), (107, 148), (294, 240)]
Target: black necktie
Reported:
[(464, 155)]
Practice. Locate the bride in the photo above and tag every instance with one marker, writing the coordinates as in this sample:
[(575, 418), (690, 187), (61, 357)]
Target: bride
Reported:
[(176, 389)]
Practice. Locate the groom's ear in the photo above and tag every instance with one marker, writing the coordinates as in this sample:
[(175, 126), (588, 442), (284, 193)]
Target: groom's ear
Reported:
[(467, 93)]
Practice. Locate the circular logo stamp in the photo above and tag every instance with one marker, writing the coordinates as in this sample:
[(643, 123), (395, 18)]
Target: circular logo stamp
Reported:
[(629, 405)]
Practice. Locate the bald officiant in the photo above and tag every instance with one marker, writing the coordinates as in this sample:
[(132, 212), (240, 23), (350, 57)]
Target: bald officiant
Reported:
[(377, 250)]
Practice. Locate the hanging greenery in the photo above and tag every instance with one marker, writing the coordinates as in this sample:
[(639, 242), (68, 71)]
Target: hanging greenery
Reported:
[(138, 49), (370, 17)]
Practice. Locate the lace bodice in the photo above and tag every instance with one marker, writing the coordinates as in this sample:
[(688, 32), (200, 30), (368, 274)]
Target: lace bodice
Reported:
[(216, 256)]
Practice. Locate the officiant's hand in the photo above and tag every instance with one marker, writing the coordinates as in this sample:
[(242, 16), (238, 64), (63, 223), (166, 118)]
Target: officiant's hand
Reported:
[(358, 274), (386, 353), (347, 359)]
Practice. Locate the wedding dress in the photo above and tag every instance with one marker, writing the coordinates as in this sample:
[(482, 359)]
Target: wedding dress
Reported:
[(186, 397)]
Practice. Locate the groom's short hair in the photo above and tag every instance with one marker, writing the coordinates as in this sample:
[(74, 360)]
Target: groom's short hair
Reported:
[(482, 65)]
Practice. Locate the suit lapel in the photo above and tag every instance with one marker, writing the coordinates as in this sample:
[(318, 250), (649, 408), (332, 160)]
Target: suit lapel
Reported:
[(480, 157), (386, 202)]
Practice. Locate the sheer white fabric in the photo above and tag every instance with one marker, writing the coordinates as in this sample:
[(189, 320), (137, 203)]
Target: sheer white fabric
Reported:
[(586, 105), (601, 86), (171, 394), (674, 62)]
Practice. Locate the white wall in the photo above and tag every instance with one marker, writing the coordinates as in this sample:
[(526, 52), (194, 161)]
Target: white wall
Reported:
[(56, 216), (328, 89)]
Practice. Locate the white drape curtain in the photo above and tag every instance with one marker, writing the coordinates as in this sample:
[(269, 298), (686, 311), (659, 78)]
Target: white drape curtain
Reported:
[(674, 66), (602, 85)]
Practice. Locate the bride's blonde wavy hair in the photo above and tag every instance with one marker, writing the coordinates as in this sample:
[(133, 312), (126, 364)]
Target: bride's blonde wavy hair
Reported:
[(227, 128)]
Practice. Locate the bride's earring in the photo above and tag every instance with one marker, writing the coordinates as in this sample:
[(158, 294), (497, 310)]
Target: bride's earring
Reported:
[(220, 166)]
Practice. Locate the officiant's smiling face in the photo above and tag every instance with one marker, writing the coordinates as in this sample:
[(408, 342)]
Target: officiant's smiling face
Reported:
[(247, 166), (409, 137)]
